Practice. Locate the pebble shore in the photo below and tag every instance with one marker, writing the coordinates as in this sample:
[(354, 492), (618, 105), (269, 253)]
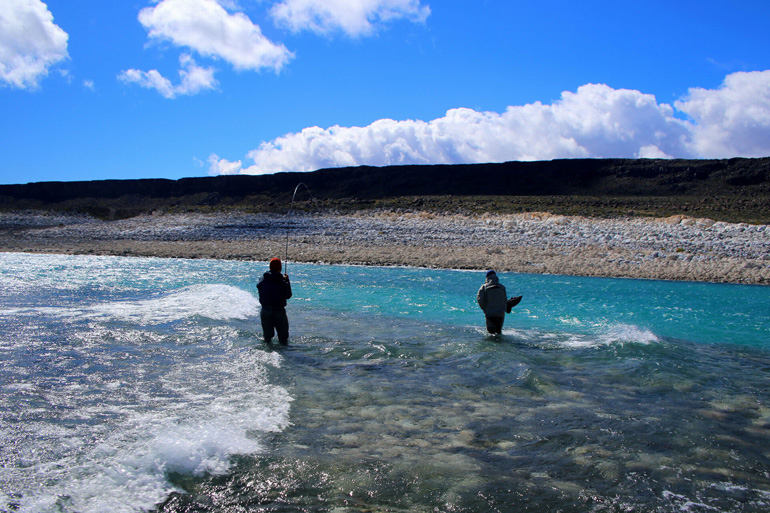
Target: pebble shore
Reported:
[(674, 248)]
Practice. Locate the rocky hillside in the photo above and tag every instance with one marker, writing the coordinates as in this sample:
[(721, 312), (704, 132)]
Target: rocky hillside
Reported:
[(733, 190)]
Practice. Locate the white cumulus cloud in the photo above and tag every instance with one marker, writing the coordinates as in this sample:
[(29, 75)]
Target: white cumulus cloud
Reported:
[(352, 17), (205, 27), (733, 120), (218, 29), (30, 43), (596, 121), (193, 79), (219, 166)]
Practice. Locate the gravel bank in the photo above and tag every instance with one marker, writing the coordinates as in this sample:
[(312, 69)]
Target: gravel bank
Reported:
[(676, 248)]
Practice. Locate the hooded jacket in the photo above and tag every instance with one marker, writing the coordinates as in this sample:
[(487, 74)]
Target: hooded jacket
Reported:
[(274, 290), (492, 297)]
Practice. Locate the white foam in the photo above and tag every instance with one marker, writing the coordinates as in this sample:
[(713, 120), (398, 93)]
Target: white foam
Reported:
[(133, 415), (628, 333), (570, 321), (217, 302), (597, 335), (684, 503), (127, 471)]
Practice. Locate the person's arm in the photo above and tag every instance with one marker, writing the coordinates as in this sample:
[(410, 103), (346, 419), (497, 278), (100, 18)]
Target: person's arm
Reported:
[(288, 286), (481, 297)]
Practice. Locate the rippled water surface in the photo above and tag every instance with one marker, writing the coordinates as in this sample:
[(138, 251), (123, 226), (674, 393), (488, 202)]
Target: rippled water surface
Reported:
[(143, 384)]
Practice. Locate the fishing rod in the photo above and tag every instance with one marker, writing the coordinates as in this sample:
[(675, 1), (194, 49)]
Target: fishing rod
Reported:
[(291, 210)]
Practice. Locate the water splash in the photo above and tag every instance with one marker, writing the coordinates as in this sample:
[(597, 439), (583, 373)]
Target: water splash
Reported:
[(218, 302)]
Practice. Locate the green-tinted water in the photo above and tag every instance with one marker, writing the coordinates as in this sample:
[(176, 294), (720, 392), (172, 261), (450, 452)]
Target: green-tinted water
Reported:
[(132, 382)]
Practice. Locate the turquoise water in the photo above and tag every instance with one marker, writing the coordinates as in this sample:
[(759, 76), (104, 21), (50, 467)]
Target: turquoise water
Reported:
[(142, 384)]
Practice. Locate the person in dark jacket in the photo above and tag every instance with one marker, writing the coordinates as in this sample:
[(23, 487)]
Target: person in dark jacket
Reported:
[(274, 289), (493, 300)]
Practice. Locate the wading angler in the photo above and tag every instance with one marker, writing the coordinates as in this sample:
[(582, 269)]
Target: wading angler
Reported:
[(274, 289)]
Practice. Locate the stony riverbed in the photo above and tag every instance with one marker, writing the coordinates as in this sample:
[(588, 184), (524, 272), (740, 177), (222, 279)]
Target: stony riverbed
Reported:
[(676, 247)]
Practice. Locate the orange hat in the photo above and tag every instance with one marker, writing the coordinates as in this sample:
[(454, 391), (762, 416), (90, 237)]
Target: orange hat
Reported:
[(275, 264)]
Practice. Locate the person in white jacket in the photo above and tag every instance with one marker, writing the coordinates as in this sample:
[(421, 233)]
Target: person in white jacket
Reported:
[(493, 300)]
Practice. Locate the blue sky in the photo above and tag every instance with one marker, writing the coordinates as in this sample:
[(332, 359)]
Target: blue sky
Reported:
[(179, 88)]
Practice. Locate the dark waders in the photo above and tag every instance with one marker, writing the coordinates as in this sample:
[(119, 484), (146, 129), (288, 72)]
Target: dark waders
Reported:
[(274, 320)]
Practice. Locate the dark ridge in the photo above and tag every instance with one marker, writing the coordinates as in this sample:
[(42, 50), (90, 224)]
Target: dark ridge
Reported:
[(732, 189)]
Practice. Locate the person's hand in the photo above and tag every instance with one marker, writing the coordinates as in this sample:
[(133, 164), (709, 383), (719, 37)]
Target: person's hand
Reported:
[(286, 276)]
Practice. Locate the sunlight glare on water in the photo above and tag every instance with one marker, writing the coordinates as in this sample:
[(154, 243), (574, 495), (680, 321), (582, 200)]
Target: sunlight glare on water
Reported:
[(141, 384)]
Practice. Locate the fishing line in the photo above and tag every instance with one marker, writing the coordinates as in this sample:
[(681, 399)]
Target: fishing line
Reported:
[(291, 211)]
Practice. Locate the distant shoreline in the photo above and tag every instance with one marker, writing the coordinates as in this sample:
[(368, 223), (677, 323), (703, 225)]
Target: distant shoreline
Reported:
[(673, 248), (731, 190)]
